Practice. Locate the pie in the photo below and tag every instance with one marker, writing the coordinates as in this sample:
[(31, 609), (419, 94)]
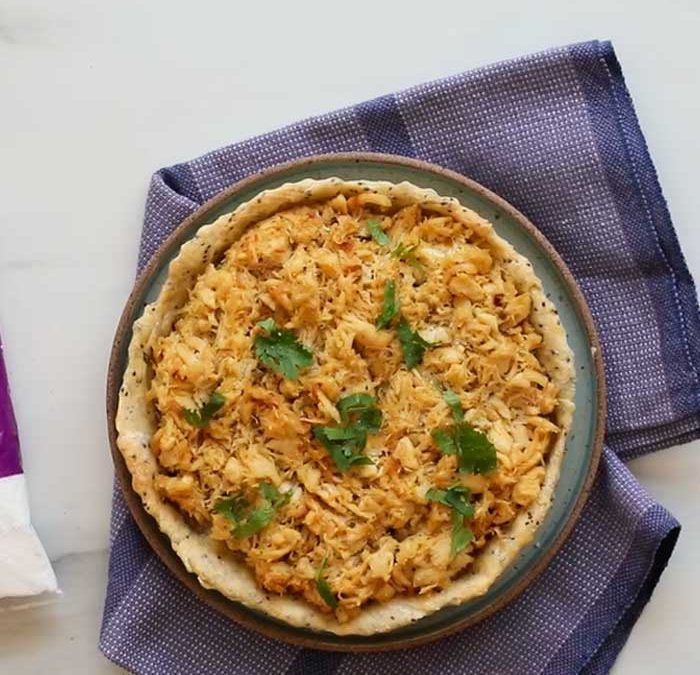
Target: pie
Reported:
[(348, 406)]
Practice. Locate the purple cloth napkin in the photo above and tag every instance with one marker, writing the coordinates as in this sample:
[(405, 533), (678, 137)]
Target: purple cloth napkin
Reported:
[(557, 136)]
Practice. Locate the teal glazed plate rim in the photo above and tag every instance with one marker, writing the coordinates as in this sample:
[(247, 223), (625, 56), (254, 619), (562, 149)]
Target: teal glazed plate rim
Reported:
[(584, 444)]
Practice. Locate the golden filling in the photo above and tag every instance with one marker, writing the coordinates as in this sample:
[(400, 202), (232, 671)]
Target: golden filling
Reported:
[(235, 441)]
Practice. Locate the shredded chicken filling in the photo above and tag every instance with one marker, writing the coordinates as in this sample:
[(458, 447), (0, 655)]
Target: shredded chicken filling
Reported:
[(316, 270)]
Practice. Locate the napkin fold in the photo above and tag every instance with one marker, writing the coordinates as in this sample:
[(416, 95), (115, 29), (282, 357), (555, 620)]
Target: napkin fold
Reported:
[(556, 135)]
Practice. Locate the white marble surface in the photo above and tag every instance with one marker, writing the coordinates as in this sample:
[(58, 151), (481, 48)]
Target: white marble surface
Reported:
[(96, 95)]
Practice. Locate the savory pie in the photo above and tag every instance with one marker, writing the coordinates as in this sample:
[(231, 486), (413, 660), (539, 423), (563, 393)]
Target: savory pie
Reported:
[(348, 406)]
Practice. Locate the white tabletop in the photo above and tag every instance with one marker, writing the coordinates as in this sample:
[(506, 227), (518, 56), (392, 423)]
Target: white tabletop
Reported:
[(94, 96)]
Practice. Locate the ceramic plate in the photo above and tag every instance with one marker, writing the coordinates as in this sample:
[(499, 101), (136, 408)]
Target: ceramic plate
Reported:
[(583, 446)]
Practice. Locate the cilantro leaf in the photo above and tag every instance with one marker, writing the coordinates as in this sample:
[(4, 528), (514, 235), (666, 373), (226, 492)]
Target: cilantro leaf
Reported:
[(232, 508), (462, 535), (412, 343), (370, 420), (354, 403), (280, 350), (375, 229), (445, 440), (360, 410), (344, 445), (408, 255), (271, 494), (353, 434), (247, 522), (324, 589), (200, 418), (390, 308), (475, 452), (436, 495), (256, 521), (268, 324), (455, 404), (457, 498), (360, 415)]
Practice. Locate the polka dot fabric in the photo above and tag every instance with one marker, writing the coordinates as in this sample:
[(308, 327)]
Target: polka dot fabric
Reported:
[(556, 135)]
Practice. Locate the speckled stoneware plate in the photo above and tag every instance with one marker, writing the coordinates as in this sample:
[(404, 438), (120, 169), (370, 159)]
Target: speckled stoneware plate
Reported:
[(583, 446)]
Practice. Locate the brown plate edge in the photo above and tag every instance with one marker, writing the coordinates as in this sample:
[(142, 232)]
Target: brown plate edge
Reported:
[(159, 542)]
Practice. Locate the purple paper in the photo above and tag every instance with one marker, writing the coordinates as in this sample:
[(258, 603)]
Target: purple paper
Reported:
[(10, 463)]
